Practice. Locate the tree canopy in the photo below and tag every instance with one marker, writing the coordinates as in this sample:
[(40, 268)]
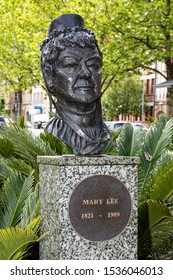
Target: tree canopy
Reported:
[(123, 98), (132, 34)]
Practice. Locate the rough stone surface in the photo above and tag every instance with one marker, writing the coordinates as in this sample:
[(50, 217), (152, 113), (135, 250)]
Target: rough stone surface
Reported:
[(59, 176)]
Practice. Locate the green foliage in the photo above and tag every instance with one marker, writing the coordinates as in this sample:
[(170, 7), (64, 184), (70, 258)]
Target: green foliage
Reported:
[(131, 35), (14, 242), (19, 198), (6, 147), (14, 194), (19, 50), (157, 142), (110, 148), (19, 195), (56, 144), (155, 213), (25, 146), (163, 176), (19, 165), (21, 122), (138, 33), (31, 211), (155, 228), (155, 208), (123, 97), (129, 141), (2, 105), (19, 216)]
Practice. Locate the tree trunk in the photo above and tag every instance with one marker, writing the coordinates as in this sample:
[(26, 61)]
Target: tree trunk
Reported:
[(19, 112)]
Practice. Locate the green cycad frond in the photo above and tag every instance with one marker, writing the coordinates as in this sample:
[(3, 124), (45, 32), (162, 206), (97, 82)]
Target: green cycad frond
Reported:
[(18, 165), (158, 241), (163, 182), (4, 173), (156, 142), (129, 140), (162, 234), (34, 225), (31, 210), (21, 122), (4, 170), (110, 148), (26, 146), (14, 194), (151, 213), (169, 203), (6, 148), (55, 144), (14, 242), (160, 184)]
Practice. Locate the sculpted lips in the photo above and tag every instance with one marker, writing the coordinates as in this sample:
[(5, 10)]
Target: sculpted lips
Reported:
[(83, 86)]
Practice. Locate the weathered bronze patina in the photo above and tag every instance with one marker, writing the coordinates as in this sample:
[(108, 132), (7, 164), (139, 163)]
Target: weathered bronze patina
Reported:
[(71, 65), (100, 207)]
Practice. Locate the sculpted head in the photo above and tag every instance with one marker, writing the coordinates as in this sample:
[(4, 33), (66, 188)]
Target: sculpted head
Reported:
[(71, 65), (71, 61)]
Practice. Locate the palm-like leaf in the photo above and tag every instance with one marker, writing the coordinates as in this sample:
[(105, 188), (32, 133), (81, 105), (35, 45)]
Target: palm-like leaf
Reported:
[(14, 242), (153, 211), (18, 165), (31, 210), (162, 234), (26, 146), (14, 194), (6, 148), (160, 184), (152, 216), (158, 241), (4, 170), (55, 144), (21, 122), (129, 141), (34, 225), (169, 203), (110, 148), (163, 182), (155, 214), (157, 141)]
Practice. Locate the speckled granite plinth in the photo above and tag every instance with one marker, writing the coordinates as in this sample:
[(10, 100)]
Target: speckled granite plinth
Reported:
[(59, 177)]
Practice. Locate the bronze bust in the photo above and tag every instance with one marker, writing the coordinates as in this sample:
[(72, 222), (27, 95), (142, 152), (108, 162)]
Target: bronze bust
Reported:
[(71, 66)]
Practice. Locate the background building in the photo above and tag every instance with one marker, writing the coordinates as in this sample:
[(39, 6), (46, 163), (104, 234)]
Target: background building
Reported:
[(35, 105), (156, 97)]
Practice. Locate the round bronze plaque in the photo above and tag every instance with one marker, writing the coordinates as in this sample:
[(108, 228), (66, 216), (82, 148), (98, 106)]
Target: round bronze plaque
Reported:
[(100, 207)]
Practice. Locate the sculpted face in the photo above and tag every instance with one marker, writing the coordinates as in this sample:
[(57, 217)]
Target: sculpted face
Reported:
[(77, 75)]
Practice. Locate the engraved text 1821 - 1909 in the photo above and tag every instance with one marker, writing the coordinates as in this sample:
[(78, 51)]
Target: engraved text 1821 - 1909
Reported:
[(100, 207)]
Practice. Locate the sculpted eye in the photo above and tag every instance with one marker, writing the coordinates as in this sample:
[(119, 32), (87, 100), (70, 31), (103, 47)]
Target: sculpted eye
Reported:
[(70, 65), (94, 65)]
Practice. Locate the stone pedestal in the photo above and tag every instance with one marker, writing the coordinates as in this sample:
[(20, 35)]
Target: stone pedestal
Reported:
[(89, 207)]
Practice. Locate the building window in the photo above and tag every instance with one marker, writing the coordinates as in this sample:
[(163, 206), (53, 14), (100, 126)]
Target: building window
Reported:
[(147, 86), (152, 84), (16, 96)]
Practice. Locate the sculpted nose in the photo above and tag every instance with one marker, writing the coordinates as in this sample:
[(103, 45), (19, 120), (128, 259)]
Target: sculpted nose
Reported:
[(84, 72)]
